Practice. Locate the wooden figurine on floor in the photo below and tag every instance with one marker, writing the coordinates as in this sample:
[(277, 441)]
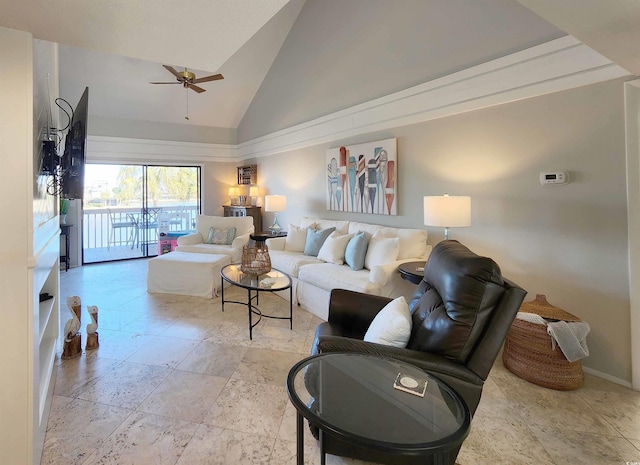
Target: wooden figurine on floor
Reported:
[(92, 328), (72, 347)]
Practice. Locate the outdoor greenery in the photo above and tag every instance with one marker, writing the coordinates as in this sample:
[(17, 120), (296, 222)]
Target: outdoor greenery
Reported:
[(164, 183)]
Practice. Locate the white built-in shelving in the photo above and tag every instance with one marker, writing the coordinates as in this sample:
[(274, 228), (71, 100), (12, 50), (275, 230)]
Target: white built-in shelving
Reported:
[(29, 251)]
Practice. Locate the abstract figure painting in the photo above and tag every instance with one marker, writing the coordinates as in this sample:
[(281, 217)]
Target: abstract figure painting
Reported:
[(362, 178)]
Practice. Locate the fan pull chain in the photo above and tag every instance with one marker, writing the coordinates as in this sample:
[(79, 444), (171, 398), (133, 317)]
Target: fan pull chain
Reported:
[(187, 91)]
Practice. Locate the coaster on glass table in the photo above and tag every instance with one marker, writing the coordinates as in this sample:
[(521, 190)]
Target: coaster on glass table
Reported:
[(410, 384)]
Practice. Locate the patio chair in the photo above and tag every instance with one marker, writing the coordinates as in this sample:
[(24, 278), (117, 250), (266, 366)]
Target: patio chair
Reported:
[(178, 219), (118, 223), (148, 223)]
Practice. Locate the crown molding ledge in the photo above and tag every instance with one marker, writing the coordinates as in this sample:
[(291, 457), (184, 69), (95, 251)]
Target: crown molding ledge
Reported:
[(122, 149), (554, 66)]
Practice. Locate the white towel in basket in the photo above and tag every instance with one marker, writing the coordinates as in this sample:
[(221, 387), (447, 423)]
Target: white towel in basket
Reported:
[(570, 336)]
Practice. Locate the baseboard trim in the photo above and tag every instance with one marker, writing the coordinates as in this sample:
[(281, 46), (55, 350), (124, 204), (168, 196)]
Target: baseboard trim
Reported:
[(602, 375)]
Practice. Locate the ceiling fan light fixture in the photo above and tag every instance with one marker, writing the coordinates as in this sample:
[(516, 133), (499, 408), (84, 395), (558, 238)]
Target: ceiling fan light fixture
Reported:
[(188, 76), (188, 79)]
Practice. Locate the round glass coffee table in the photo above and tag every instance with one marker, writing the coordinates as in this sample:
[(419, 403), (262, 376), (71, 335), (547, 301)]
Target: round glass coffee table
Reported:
[(370, 403), (272, 281)]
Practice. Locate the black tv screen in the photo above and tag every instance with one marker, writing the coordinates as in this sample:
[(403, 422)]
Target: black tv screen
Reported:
[(75, 144)]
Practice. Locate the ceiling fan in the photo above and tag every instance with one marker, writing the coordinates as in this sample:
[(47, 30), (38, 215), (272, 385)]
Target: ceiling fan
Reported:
[(188, 79)]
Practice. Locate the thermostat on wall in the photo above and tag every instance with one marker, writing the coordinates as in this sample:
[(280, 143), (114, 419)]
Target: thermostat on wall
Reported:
[(554, 178)]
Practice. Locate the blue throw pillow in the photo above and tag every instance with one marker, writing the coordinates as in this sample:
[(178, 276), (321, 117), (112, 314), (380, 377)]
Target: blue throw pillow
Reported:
[(315, 239), (356, 251)]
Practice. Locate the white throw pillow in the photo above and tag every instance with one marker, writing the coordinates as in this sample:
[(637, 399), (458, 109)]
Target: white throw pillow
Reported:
[(332, 251), (381, 250), (392, 325), (296, 239)]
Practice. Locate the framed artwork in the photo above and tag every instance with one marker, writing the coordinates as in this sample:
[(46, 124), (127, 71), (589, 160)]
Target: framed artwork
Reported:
[(362, 178)]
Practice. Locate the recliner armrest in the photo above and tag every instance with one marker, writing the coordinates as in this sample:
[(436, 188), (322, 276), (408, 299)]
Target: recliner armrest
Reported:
[(190, 239), (353, 311)]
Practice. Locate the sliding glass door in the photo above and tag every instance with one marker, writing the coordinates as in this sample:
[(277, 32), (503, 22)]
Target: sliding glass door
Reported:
[(128, 207)]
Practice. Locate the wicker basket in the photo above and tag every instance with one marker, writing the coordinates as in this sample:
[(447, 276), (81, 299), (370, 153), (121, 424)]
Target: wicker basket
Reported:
[(528, 351), (255, 260)]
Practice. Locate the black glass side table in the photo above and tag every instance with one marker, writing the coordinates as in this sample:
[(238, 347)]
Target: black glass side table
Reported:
[(351, 398)]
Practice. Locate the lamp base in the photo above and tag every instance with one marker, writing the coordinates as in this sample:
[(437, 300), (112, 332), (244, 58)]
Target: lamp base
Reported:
[(275, 228)]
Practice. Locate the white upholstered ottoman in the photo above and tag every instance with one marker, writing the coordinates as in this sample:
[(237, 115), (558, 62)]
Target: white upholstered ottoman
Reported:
[(186, 273)]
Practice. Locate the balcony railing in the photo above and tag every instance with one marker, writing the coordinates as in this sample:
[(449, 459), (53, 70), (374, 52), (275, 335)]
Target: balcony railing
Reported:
[(121, 226)]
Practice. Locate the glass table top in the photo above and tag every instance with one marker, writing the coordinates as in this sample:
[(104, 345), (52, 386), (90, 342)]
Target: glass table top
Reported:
[(353, 395), (274, 280)]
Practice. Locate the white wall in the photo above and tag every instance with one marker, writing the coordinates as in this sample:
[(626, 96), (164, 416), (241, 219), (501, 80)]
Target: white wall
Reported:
[(568, 242), (217, 177)]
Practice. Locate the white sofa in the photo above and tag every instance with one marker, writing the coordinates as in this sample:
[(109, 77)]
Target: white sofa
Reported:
[(313, 279), (197, 242)]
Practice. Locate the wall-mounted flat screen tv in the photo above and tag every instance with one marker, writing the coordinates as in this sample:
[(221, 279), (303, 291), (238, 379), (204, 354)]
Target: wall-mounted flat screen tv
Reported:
[(73, 158)]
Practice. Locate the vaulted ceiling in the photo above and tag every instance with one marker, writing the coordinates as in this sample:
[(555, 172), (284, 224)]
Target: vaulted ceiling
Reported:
[(117, 47)]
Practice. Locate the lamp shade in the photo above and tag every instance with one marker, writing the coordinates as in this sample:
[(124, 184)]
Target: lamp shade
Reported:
[(234, 192), (447, 211), (275, 203), (254, 191)]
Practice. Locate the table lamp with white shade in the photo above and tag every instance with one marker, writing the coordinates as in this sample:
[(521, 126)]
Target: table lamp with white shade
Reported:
[(447, 211), (276, 204), (254, 192), (234, 192)]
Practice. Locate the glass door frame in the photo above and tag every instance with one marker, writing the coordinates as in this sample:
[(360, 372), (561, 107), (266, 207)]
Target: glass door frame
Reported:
[(146, 225)]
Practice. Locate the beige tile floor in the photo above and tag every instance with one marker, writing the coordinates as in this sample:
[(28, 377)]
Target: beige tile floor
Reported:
[(176, 381)]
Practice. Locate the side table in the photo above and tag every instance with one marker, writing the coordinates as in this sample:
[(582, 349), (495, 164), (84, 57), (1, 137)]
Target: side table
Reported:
[(412, 271), (262, 236), (352, 399)]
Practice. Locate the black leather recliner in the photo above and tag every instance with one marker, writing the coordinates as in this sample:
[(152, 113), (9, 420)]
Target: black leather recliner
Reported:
[(461, 312)]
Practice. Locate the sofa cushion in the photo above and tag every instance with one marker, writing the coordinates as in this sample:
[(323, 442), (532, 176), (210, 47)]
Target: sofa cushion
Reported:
[(221, 236), (296, 239), (381, 250), (329, 276), (334, 247), (315, 239), (392, 325), (319, 223), (207, 248), (243, 224), (413, 242), (356, 250), (290, 262)]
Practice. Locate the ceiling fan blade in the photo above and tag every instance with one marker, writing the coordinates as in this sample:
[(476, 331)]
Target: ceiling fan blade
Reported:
[(214, 77), (196, 88), (172, 70), (176, 82)]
